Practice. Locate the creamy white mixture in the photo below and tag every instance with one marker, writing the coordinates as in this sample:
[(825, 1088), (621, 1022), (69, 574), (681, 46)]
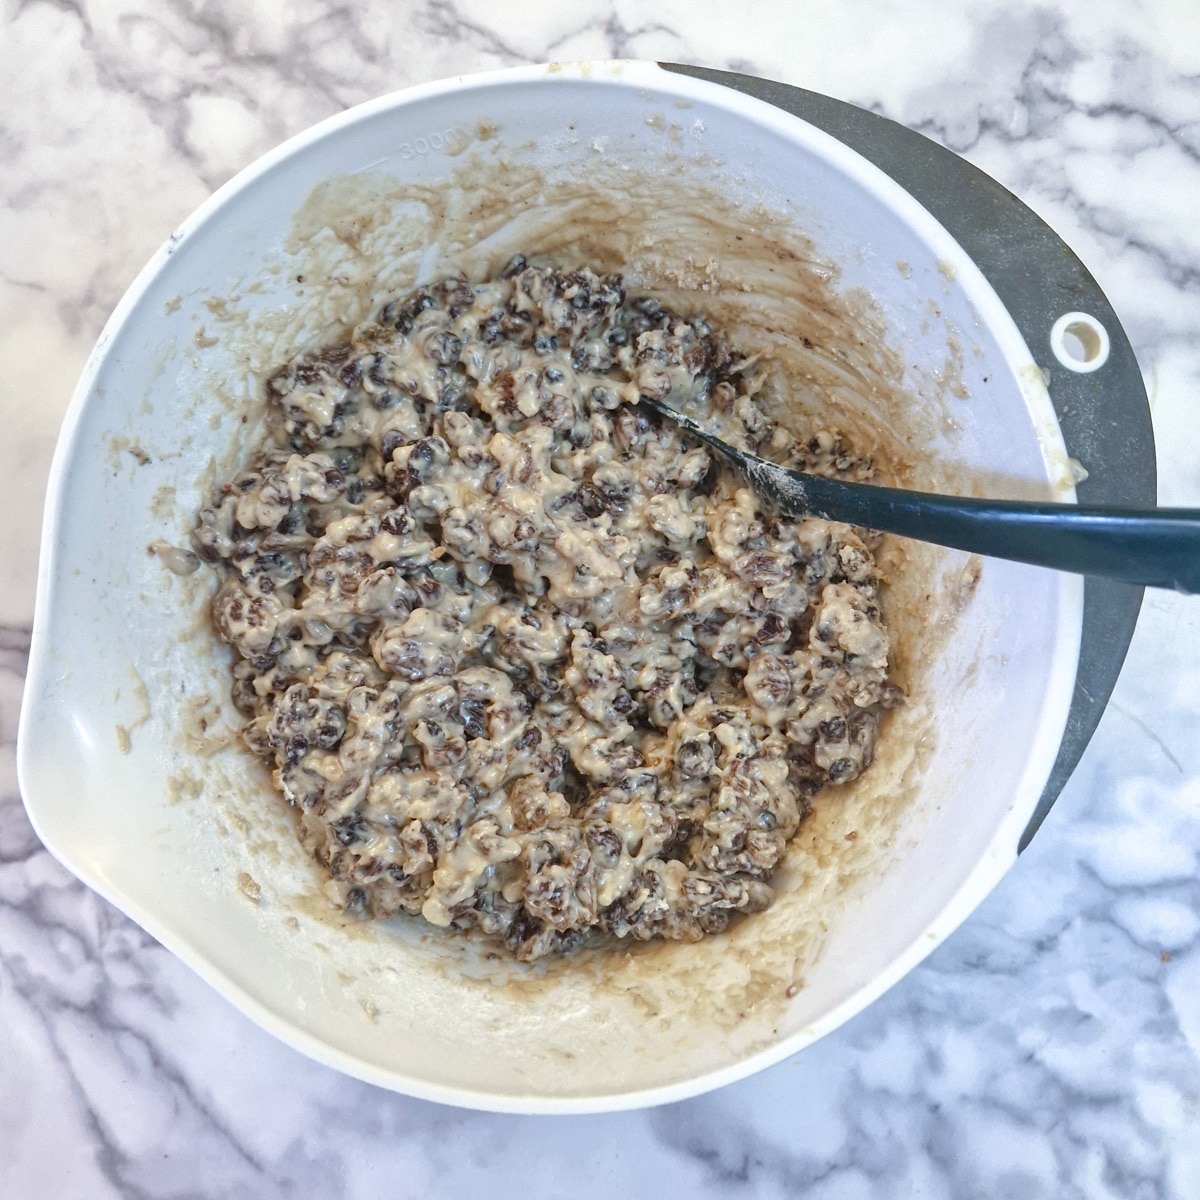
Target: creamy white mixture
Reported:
[(523, 658)]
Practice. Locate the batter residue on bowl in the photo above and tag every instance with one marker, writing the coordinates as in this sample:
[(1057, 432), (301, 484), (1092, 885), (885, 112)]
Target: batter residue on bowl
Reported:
[(520, 657)]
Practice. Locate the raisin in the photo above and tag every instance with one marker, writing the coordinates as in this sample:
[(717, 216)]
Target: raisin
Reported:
[(514, 266), (590, 500), (470, 717), (445, 348), (842, 770), (834, 729)]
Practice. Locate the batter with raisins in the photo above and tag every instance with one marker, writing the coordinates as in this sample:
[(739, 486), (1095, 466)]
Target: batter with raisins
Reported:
[(522, 658)]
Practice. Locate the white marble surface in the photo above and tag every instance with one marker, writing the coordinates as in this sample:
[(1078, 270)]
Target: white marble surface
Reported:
[(1051, 1048)]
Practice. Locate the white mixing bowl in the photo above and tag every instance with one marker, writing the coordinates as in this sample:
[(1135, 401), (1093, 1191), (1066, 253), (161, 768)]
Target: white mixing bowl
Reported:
[(124, 761)]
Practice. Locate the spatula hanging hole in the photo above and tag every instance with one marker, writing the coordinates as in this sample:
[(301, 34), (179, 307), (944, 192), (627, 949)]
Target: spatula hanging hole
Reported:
[(1079, 342)]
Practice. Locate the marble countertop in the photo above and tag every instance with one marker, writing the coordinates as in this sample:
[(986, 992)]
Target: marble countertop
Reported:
[(1050, 1048)]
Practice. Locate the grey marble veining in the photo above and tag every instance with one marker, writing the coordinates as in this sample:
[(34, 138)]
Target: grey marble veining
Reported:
[(1051, 1048)]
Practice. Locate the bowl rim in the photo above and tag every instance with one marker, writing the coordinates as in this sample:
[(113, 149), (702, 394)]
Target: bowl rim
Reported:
[(1001, 849)]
